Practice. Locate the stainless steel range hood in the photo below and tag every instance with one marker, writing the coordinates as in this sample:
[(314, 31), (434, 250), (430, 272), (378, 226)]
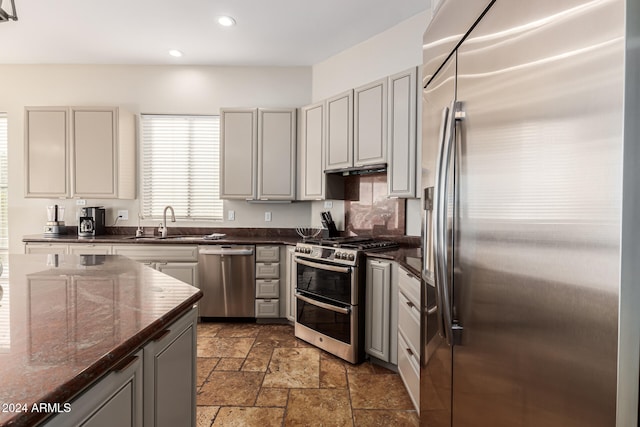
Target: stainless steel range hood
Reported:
[(359, 170)]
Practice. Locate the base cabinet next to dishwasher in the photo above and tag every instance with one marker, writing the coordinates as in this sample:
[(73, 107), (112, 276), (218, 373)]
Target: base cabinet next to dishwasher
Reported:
[(267, 281)]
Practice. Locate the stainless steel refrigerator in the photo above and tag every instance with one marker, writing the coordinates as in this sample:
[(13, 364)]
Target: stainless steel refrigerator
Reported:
[(527, 118)]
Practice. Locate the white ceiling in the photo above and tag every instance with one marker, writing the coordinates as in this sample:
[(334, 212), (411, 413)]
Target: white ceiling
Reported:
[(268, 32)]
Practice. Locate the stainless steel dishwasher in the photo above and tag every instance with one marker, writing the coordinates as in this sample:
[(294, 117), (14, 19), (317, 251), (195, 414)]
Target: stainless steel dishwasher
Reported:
[(227, 280)]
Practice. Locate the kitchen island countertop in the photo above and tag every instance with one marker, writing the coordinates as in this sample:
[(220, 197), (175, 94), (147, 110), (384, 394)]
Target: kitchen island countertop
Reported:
[(67, 320)]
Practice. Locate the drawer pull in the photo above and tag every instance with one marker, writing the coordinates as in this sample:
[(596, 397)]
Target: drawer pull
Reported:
[(161, 335), (409, 351), (124, 364), (410, 304)]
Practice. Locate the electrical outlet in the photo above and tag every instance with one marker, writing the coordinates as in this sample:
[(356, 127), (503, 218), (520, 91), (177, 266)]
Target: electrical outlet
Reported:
[(231, 215), (123, 215), (328, 204), (81, 202), (267, 216)]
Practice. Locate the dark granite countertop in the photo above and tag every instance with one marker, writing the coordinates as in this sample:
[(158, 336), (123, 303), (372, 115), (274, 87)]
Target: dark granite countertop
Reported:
[(409, 257), (73, 318)]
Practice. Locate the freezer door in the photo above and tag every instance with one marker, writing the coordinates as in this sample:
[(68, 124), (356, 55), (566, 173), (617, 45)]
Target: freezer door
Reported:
[(537, 236), (435, 369)]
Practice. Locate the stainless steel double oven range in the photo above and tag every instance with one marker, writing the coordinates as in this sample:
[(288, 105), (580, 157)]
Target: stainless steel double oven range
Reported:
[(330, 294)]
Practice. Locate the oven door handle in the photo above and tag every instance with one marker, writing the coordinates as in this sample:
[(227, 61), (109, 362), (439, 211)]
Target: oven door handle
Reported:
[(340, 310), (337, 269)]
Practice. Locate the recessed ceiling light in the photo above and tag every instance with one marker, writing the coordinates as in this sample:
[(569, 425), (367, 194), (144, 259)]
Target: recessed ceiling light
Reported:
[(226, 21), (175, 53)]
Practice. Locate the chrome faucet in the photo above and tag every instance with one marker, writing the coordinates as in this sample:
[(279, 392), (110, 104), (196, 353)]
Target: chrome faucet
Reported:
[(163, 229)]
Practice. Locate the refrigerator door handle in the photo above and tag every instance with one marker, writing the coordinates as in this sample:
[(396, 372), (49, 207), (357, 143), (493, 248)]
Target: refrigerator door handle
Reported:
[(445, 286), (436, 226)]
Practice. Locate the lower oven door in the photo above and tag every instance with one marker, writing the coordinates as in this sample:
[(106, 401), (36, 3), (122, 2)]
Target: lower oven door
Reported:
[(330, 326)]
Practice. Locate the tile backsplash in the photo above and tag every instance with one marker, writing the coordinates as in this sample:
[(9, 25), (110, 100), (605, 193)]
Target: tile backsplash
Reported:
[(368, 210)]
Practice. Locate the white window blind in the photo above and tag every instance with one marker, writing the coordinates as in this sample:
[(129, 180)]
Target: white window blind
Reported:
[(180, 166), (4, 186), (5, 335)]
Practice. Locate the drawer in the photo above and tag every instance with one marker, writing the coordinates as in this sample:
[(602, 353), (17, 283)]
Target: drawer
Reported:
[(409, 321), (267, 270), (267, 288), (153, 253), (409, 285), (409, 370), (267, 253), (267, 308)]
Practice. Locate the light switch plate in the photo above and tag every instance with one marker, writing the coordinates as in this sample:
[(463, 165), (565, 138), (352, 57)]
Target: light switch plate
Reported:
[(81, 202), (267, 216), (328, 204), (231, 215)]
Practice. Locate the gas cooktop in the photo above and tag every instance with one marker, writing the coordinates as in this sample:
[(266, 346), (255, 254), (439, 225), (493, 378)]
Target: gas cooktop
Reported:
[(355, 242)]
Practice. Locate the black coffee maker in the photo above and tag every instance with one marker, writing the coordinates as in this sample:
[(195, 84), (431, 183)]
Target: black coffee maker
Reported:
[(91, 221)]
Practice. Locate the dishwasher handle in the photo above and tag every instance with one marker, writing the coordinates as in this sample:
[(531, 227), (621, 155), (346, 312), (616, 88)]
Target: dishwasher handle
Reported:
[(226, 251)]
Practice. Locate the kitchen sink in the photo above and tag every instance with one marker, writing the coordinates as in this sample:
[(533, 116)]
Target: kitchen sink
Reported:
[(153, 238)]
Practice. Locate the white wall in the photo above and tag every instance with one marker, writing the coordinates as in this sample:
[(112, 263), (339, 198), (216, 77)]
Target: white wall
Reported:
[(143, 89), (389, 52)]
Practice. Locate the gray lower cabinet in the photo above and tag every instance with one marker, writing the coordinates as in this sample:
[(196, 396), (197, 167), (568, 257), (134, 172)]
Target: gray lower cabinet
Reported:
[(154, 387), (379, 314), (267, 281), (114, 401), (170, 375)]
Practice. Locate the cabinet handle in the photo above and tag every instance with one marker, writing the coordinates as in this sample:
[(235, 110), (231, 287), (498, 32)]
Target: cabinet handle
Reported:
[(161, 335), (125, 363), (410, 304), (409, 351)]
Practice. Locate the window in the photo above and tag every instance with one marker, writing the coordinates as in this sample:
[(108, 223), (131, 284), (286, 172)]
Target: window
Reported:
[(180, 166), (5, 336), (4, 189)]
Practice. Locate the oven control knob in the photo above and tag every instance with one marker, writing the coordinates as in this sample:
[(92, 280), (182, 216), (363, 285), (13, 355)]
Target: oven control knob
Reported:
[(338, 255), (307, 250), (351, 257)]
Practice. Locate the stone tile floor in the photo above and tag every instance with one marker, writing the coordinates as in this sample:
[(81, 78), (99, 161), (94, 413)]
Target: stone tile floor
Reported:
[(261, 375)]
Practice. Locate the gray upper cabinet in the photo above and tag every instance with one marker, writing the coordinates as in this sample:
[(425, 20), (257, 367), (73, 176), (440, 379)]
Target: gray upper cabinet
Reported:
[(339, 131), (276, 154), (258, 154), (312, 181), (238, 153), (401, 169), (370, 124), (79, 152), (47, 152)]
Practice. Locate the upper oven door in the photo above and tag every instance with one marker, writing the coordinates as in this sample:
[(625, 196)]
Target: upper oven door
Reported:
[(334, 282)]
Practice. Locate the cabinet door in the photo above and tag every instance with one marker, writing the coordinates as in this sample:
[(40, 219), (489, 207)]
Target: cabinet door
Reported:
[(276, 154), (339, 131), (291, 277), (46, 152), (370, 124), (238, 153), (312, 182), (95, 152), (378, 317), (115, 400), (185, 271), (169, 375), (401, 157)]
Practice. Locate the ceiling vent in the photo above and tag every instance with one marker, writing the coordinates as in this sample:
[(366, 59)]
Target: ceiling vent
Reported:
[(5, 15)]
